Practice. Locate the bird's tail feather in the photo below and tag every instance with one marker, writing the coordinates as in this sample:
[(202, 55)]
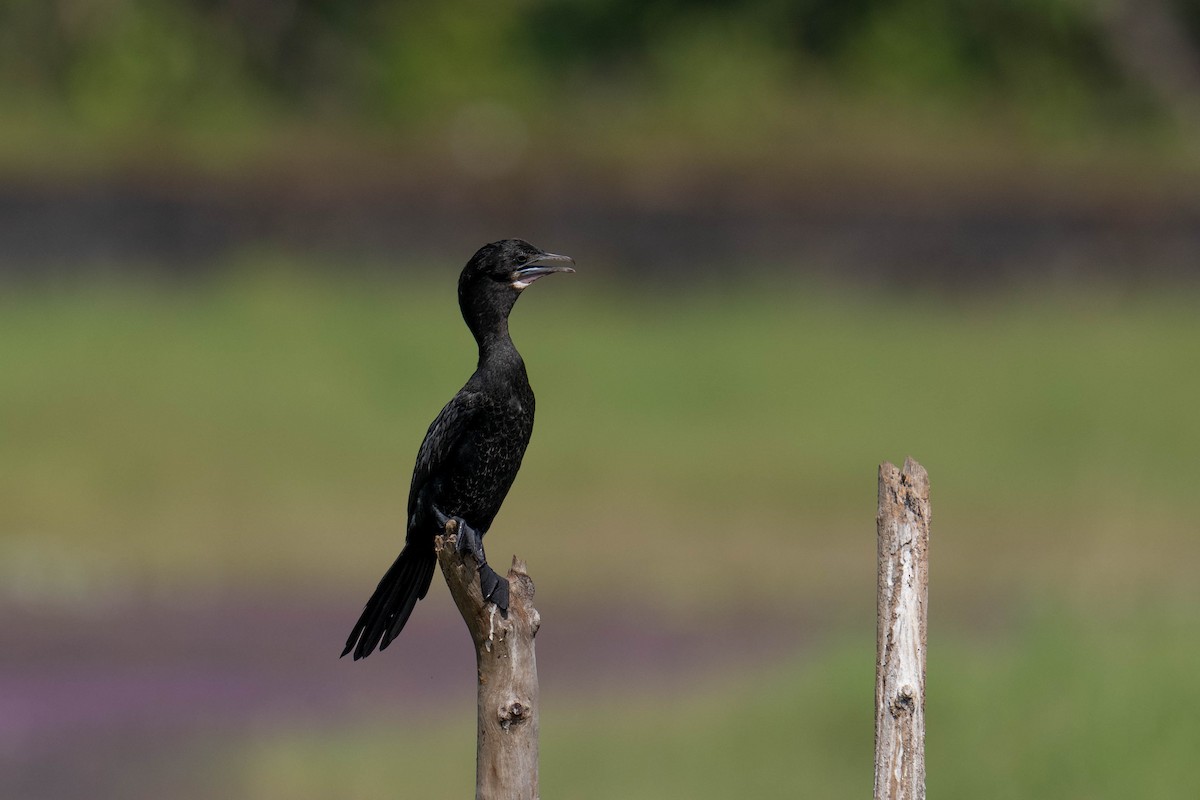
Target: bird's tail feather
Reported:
[(405, 582)]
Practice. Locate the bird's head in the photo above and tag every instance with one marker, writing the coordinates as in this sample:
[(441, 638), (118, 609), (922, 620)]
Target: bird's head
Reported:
[(498, 273), (513, 262)]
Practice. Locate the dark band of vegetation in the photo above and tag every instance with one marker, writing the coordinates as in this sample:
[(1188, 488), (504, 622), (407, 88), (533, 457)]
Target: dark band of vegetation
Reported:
[(167, 64)]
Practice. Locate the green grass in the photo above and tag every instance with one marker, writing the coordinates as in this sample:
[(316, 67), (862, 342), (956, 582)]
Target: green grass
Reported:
[(261, 427), (1064, 707), (264, 426)]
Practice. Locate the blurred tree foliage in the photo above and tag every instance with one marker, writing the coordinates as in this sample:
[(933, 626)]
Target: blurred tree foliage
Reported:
[(113, 64)]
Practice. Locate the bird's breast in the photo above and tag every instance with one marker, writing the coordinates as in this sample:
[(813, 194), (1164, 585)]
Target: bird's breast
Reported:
[(490, 460)]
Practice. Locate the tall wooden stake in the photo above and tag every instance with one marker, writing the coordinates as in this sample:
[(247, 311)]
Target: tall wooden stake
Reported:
[(903, 594), (506, 753)]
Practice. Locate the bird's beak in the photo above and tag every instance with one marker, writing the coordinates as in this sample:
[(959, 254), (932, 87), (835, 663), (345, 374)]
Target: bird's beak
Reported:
[(544, 264)]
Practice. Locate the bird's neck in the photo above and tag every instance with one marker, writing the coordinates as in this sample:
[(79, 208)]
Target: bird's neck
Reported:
[(497, 353), (485, 309)]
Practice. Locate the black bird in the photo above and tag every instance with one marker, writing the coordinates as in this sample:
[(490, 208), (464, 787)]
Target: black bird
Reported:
[(473, 449)]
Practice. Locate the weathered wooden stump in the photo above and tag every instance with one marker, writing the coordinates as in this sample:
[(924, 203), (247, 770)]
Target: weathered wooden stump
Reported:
[(903, 595), (506, 755)]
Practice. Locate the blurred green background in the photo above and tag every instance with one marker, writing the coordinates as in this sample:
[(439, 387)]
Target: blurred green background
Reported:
[(811, 236)]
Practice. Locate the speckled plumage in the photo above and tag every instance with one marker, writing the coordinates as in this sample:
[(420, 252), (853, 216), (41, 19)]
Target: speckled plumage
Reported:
[(473, 449), (471, 454)]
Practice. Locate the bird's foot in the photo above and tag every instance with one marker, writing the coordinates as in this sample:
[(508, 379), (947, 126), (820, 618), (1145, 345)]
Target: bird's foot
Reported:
[(495, 588), (469, 541), (443, 519), (467, 538)]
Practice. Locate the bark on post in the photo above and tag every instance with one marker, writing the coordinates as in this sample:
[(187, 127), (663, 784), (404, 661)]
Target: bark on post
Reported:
[(506, 755), (903, 593)]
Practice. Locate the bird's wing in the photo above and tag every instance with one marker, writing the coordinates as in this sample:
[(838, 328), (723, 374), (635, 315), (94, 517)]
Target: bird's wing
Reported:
[(443, 438)]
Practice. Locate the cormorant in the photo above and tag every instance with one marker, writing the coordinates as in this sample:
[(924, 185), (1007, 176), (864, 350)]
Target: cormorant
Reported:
[(473, 449)]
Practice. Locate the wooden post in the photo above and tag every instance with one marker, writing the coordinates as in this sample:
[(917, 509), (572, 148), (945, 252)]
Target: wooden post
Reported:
[(903, 594), (506, 754)]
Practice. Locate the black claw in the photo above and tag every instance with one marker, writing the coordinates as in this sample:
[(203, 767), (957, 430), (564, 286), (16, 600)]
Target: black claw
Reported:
[(467, 540), (500, 596), (495, 588), (442, 519), (489, 581)]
